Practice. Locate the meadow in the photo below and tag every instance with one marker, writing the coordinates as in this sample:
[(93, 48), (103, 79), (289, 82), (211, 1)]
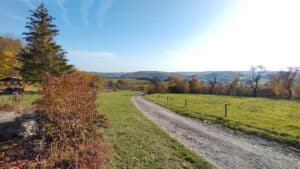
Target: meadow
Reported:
[(273, 119), (26, 100), (136, 142)]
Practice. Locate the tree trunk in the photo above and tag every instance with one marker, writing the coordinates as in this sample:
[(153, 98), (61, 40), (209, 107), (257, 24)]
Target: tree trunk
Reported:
[(255, 92), (229, 90), (211, 89), (290, 94), (255, 89)]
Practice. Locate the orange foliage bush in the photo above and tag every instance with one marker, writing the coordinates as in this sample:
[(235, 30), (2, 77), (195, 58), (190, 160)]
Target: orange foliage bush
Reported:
[(6, 106), (69, 123), (70, 105), (70, 94)]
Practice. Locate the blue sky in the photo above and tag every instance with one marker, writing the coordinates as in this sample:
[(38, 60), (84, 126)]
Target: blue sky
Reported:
[(168, 35)]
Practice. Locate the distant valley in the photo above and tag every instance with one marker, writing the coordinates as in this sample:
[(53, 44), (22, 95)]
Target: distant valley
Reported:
[(222, 76)]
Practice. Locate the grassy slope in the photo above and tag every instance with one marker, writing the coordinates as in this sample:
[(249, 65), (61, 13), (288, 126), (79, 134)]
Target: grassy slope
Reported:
[(26, 99), (138, 143), (275, 119)]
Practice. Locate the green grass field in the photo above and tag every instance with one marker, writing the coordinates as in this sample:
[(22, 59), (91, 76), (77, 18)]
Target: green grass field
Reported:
[(136, 142), (25, 101), (274, 119)]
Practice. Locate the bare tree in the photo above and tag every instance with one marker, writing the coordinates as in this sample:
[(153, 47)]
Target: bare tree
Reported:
[(233, 84), (212, 84), (289, 80), (256, 72)]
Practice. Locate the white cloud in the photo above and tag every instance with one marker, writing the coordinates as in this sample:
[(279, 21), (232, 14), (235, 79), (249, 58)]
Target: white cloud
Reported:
[(141, 17), (15, 17), (259, 32), (105, 5), (61, 5), (29, 4), (84, 10), (93, 54)]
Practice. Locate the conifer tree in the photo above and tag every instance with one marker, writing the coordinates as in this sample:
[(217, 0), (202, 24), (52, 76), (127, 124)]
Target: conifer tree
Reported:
[(41, 54)]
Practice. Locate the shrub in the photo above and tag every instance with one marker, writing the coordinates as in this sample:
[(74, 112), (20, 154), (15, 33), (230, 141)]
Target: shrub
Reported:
[(266, 91), (178, 85), (219, 89), (195, 85), (6, 106), (70, 94), (70, 105), (122, 84), (142, 87), (68, 121), (204, 88), (159, 87), (98, 82)]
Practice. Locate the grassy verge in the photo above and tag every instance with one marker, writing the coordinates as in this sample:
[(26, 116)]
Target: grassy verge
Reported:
[(274, 119), (138, 143), (26, 100)]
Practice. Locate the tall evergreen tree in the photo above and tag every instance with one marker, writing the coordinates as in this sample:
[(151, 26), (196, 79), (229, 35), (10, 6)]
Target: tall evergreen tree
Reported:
[(41, 54)]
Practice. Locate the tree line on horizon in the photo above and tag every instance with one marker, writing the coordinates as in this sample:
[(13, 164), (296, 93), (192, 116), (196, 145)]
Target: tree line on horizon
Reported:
[(281, 84), (40, 55)]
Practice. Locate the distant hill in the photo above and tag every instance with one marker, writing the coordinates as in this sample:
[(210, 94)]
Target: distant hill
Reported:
[(222, 76)]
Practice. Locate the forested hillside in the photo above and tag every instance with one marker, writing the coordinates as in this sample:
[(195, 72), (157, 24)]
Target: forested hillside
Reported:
[(222, 76)]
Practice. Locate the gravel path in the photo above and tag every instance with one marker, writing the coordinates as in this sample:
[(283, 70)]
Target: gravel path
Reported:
[(222, 147), (6, 117)]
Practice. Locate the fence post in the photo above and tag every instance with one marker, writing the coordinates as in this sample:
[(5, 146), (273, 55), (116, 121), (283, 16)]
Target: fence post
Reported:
[(185, 103), (226, 109), (167, 98)]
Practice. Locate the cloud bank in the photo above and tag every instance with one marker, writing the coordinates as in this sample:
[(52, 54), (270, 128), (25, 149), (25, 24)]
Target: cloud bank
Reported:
[(64, 15), (104, 7), (85, 7)]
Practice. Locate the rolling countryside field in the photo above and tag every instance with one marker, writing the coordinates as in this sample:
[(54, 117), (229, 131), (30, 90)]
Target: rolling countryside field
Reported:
[(107, 84), (135, 142), (274, 119)]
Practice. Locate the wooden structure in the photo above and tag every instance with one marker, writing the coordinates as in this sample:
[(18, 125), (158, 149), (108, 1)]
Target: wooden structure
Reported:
[(13, 85)]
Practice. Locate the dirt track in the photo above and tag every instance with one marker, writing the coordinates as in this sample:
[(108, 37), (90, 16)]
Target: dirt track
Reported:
[(222, 147), (6, 117)]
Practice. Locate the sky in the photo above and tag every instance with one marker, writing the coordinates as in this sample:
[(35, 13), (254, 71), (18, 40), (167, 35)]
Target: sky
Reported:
[(168, 35)]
